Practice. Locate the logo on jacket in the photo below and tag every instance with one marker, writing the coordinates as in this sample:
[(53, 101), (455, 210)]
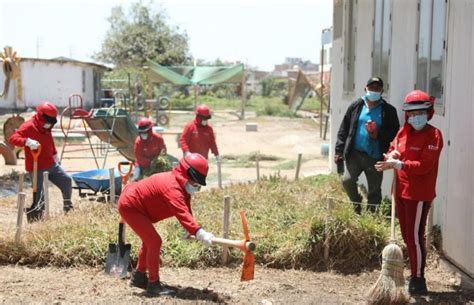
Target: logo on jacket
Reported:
[(432, 147)]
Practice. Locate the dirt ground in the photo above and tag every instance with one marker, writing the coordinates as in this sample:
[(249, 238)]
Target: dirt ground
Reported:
[(280, 137)]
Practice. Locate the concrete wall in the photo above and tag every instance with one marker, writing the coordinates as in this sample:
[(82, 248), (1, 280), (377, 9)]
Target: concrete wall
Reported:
[(454, 205)]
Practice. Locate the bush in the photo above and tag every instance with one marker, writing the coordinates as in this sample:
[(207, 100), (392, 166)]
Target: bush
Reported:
[(286, 220)]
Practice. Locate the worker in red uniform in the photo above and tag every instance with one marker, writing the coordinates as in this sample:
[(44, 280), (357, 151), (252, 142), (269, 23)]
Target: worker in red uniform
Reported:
[(31, 134), (153, 199), (148, 145), (414, 153), (198, 135)]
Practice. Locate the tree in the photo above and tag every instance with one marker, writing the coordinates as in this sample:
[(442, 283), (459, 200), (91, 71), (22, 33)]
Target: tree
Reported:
[(142, 34)]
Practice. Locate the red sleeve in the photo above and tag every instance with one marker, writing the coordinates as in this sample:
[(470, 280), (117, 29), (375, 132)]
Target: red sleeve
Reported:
[(185, 138), (177, 204), (429, 156), (214, 149), (138, 156), (162, 144), (19, 137), (393, 144)]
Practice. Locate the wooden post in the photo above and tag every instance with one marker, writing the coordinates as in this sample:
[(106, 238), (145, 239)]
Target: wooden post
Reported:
[(329, 205), (225, 229), (19, 219), (21, 182), (219, 173), (257, 165), (112, 185), (321, 99), (298, 166), (243, 96), (46, 194)]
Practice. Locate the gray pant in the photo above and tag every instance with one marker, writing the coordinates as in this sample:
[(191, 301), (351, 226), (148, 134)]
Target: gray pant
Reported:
[(59, 178), (357, 163)]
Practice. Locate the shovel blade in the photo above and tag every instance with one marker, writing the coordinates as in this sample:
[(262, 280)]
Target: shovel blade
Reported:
[(118, 259)]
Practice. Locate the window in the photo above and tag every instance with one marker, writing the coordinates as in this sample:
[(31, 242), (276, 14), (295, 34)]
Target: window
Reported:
[(350, 30), (382, 41), (431, 49), (83, 80)]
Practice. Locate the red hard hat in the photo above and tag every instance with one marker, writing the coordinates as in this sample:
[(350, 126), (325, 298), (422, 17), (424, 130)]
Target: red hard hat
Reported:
[(47, 108), (196, 167), (417, 100), (203, 111), (144, 124)]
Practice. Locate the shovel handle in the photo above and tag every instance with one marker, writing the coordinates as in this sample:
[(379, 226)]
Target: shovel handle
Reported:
[(125, 175), (246, 245), (35, 153)]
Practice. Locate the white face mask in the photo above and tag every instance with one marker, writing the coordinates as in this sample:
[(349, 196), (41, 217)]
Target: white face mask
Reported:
[(204, 122), (144, 136), (46, 125), (418, 121), (190, 189)]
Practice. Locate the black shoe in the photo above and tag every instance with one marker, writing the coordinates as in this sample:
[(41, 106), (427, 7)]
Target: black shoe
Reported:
[(417, 286), (33, 214), (156, 289), (68, 208), (139, 279)]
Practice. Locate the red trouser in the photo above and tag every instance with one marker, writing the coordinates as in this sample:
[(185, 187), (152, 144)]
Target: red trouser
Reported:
[(149, 253), (412, 216)]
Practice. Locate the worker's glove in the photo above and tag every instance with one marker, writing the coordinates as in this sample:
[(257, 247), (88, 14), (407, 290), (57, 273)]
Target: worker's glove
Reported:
[(32, 144), (56, 159), (388, 164), (204, 237), (136, 173), (394, 154)]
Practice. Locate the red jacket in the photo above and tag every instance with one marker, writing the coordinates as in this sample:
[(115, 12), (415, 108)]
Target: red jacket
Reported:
[(146, 150), (162, 196), (33, 129), (198, 139), (420, 151)]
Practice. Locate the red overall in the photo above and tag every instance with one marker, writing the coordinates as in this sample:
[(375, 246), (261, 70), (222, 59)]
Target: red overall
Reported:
[(198, 139), (416, 182), (146, 150), (150, 200), (33, 129)]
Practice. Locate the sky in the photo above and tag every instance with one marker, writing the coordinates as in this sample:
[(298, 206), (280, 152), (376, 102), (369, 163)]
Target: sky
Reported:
[(260, 33)]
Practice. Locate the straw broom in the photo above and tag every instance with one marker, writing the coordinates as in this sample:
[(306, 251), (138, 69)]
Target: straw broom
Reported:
[(390, 286)]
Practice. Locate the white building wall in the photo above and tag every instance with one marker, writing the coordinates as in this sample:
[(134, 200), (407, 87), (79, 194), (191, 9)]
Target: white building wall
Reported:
[(52, 81), (454, 205)]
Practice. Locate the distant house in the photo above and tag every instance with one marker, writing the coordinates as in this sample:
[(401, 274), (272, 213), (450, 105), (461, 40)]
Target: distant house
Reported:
[(254, 81), (291, 66), (427, 45), (53, 80)]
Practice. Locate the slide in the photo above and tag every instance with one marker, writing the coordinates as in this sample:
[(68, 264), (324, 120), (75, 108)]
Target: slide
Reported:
[(8, 154), (116, 121)]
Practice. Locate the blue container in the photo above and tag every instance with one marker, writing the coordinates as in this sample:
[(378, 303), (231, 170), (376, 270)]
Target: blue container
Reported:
[(97, 180), (325, 149)]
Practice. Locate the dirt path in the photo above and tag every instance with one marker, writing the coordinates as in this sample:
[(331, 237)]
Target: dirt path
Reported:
[(214, 285)]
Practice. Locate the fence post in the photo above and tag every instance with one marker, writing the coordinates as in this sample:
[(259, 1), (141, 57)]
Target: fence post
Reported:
[(46, 194), (298, 166), (257, 165), (329, 205), (112, 185), (19, 219), (219, 173), (225, 229)]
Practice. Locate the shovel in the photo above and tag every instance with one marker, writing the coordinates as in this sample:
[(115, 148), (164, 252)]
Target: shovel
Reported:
[(118, 256), (33, 213)]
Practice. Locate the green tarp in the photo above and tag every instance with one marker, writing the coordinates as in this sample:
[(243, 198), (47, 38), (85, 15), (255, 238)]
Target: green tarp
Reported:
[(190, 75)]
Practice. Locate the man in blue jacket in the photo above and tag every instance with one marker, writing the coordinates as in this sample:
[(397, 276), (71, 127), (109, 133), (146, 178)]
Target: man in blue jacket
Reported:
[(368, 127)]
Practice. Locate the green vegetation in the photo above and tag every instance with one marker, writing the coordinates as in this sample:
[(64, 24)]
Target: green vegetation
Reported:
[(286, 221)]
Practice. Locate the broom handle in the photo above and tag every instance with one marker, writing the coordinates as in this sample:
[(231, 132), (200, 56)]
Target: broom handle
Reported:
[(392, 219)]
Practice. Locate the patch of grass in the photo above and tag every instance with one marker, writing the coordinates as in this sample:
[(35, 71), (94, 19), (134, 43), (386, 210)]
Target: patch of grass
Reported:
[(286, 220)]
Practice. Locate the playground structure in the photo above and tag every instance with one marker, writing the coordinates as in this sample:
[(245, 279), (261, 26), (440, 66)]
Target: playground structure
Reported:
[(8, 151), (111, 125)]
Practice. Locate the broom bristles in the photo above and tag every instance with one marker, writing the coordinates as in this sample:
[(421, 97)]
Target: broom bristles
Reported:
[(390, 286)]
